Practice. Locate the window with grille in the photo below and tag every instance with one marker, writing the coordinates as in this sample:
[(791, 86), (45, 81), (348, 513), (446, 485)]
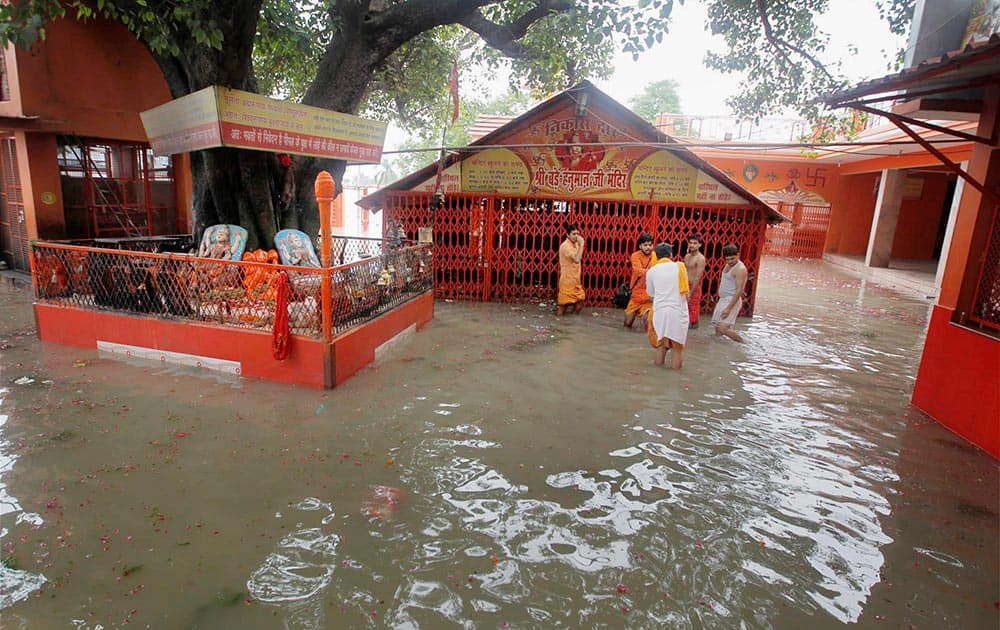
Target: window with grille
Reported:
[(115, 189), (986, 300)]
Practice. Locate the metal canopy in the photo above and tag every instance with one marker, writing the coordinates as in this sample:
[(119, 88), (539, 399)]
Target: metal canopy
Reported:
[(967, 73)]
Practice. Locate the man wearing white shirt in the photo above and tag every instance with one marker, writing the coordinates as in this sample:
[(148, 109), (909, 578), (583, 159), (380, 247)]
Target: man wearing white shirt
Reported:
[(667, 283)]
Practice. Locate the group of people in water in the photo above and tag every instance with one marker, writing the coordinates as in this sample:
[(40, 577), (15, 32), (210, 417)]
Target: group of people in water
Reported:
[(665, 293)]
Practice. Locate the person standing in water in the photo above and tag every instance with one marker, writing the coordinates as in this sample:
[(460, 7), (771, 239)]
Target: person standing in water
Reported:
[(694, 262), (640, 303), (571, 293), (734, 280), (667, 283)]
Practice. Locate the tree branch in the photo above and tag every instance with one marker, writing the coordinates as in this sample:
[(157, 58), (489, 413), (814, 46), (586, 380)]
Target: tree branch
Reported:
[(779, 44), (506, 37)]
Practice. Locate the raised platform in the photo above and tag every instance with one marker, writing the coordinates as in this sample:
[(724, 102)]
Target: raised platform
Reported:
[(914, 277), (242, 351)]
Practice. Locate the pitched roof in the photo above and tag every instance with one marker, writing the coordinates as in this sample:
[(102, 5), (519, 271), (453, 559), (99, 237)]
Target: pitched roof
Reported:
[(650, 134)]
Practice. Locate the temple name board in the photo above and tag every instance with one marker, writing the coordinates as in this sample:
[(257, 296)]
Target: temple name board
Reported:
[(564, 154)]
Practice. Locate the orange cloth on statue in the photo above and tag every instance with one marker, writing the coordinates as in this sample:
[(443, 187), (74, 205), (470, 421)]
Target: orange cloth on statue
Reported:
[(570, 283)]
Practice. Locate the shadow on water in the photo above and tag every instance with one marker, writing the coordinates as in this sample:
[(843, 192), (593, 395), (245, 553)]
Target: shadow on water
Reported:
[(505, 469)]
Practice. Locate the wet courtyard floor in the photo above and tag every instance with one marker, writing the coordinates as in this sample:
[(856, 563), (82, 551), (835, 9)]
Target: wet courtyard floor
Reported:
[(505, 469)]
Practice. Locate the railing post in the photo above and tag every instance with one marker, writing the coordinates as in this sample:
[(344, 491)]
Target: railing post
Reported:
[(325, 189)]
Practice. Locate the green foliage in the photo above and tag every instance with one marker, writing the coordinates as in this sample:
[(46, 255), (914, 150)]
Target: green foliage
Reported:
[(558, 51), (24, 23), (291, 38), (779, 70), (656, 98), (411, 87), (897, 13), (776, 46)]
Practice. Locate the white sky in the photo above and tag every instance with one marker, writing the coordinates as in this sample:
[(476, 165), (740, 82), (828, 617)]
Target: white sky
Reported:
[(703, 92)]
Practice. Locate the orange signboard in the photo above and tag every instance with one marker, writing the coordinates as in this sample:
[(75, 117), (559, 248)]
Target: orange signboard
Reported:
[(218, 116)]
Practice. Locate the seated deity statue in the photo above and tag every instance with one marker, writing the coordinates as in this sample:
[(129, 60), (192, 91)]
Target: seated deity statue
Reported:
[(224, 242), (295, 249)]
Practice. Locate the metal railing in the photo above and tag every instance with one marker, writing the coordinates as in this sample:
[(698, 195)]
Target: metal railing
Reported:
[(986, 300), (240, 294)]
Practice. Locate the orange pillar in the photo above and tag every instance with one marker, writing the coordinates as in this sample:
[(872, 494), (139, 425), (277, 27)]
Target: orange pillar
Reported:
[(325, 189)]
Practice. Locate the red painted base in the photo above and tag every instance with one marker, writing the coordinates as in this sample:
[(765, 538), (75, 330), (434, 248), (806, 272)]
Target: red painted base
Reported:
[(310, 362), (958, 383)]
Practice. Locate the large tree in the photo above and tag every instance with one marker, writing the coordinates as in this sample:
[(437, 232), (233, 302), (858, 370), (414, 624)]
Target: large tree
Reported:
[(659, 97), (391, 57)]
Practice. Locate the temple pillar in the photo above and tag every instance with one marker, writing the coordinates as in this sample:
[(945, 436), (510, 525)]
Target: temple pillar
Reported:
[(887, 205)]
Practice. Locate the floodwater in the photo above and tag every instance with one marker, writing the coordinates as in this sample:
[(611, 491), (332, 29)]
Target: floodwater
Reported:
[(505, 470)]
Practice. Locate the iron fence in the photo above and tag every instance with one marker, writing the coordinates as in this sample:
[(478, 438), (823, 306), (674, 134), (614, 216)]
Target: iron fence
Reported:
[(986, 300), (230, 293), (490, 247)]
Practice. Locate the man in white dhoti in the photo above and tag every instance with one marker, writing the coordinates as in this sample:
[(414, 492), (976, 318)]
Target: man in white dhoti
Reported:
[(667, 283), (732, 284)]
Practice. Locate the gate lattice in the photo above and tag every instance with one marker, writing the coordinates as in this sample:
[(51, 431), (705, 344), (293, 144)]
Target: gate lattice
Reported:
[(505, 249)]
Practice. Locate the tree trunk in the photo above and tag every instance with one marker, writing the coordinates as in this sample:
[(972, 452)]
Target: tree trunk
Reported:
[(228, 185), (236, 186), (306, 212)]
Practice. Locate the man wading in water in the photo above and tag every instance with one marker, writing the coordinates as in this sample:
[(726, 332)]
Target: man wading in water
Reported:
[(734, 280), (571, 292)]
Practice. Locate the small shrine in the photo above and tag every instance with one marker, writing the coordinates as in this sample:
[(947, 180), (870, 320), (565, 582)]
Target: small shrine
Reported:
[(581, 158)]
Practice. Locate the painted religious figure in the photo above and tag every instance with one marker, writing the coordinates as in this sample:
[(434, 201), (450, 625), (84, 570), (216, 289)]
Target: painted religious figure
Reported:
[(225, 242), (295, 249), (573, 156)]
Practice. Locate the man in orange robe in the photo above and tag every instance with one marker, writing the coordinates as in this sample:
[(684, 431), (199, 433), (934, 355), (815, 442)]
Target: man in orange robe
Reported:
[(640, 303), (571, 292)]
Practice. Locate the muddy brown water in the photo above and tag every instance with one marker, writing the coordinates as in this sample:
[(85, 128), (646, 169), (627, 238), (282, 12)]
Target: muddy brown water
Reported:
[(505, 469)]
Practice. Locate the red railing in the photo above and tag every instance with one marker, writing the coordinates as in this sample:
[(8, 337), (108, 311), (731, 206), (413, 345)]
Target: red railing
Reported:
[(225, 292), (505, 248)]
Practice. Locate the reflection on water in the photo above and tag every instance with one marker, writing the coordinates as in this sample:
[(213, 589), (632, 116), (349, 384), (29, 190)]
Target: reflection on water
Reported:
[(508, 470), (15, 584)]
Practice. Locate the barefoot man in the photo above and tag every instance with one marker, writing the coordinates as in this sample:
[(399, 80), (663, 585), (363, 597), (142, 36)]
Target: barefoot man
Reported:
[(694, 262), (640, 303), (734, 280), (667, 283), (571, 292)]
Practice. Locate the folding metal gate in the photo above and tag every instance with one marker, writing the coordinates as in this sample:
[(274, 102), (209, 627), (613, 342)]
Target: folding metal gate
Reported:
[(805, 236), (505, 249)]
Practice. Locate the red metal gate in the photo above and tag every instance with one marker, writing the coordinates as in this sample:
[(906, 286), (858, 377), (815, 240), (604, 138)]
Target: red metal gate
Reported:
[(805, 236), (505, 249)]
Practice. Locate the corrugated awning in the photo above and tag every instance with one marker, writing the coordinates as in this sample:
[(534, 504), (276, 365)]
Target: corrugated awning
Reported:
[(976, 65)]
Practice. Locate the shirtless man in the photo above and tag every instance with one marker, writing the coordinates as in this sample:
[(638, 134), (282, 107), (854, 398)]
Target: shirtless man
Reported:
[(731, 286), (694, 261)]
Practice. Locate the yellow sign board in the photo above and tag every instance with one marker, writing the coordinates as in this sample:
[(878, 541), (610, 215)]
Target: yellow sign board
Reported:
[(218, 116), (496, 171)]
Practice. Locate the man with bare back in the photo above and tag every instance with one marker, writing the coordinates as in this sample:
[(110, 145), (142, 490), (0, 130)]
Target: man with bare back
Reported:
[(694, 262)]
